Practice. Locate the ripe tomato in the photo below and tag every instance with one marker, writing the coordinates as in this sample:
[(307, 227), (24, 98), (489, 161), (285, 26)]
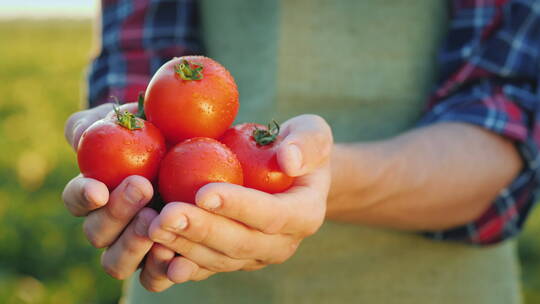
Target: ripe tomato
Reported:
[(255, 146), (191, 96), (118, 146), (194, 163)]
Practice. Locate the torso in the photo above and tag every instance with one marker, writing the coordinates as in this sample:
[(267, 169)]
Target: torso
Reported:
[(366, 67)]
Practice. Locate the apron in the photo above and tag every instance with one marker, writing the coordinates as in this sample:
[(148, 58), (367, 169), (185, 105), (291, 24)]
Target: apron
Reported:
[(366, 66)]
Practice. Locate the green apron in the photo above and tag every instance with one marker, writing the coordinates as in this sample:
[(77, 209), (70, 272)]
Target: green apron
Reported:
[(366, 66)]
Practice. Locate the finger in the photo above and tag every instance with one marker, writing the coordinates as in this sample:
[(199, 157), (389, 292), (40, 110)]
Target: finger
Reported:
[(80, 121), (202, 274), (124, 256), (82, 195), (103, 226), (201, 255), (254, 265), (182, 270), (154, 274), (306, 145), (298, 211), (215, 242)]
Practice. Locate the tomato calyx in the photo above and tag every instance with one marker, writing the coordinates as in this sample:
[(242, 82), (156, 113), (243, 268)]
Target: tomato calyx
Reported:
[(189, 70), (126, 119), (265, 137)]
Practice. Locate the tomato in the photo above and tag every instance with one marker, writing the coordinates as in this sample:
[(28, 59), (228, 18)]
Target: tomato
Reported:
[(191, 96), (255, 146), (118, 146), (194, 163)]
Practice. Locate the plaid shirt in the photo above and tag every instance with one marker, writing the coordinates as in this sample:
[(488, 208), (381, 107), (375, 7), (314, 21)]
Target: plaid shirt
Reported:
[(489, 76)]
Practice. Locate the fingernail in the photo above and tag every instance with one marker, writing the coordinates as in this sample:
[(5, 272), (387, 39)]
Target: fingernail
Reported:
[(141, 226), (295, 157), (133, 194), (180, 224), (211, 203), (162, 236)]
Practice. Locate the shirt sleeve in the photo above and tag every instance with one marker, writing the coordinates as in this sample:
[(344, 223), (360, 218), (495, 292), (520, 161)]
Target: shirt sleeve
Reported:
[(137, 37), (489, 77)]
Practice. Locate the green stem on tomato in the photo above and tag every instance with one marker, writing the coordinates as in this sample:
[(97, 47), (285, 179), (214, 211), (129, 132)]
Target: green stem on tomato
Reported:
[(126, 119), (265, 137), (189, 70)]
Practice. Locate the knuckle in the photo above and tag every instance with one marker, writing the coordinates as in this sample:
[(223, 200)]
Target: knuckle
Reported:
[(254, 266), (199, 278), (117, 215), (242, 250), (155, 288), (86, 206), (72, 208), (183, 246), (151, 287), (202, 275), (132, 249), (311, 230), (289, 252), (312, 221), (93, 237), (224, 264), (285, 254), (312, 227), (140, 182), (113, 271), (277, 221), (150, 283), (200, 233), (68, 200), (274, 227)]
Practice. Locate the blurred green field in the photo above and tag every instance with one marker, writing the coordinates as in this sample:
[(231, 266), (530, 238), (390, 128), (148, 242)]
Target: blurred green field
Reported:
[(44, 257)]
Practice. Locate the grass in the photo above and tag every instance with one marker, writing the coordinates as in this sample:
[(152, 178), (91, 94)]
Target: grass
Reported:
[(44, 257)]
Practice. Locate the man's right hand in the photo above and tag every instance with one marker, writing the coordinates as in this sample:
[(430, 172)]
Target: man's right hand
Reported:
[(117, 221)]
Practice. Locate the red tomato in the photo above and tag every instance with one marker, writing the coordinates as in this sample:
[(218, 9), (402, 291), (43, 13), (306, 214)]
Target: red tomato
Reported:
[(255, 146), (191, 96), (194, 163), (114, 148)]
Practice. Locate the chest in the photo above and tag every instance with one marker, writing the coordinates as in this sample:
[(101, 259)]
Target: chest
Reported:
[(366, 66)]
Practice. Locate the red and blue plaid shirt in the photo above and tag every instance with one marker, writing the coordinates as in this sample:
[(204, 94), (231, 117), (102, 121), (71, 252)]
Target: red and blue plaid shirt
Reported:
[(489, 76)]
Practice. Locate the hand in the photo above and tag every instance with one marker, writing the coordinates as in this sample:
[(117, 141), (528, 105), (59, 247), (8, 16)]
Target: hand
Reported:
[(238, 228), (110, 217)]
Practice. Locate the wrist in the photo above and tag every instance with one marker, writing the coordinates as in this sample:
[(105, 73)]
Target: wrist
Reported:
[(363, 174)]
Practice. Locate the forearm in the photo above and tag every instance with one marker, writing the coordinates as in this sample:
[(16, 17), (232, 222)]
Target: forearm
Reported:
[(431, 178)]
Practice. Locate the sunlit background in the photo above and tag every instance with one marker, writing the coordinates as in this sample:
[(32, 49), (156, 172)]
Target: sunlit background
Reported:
[(44, 257), (47, 8)]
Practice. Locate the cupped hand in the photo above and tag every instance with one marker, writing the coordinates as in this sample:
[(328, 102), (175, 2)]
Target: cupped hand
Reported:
[(236, 228), (117, 220)]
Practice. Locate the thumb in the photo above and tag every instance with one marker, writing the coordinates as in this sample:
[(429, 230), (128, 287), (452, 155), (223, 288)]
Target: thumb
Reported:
[(306, 145)]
